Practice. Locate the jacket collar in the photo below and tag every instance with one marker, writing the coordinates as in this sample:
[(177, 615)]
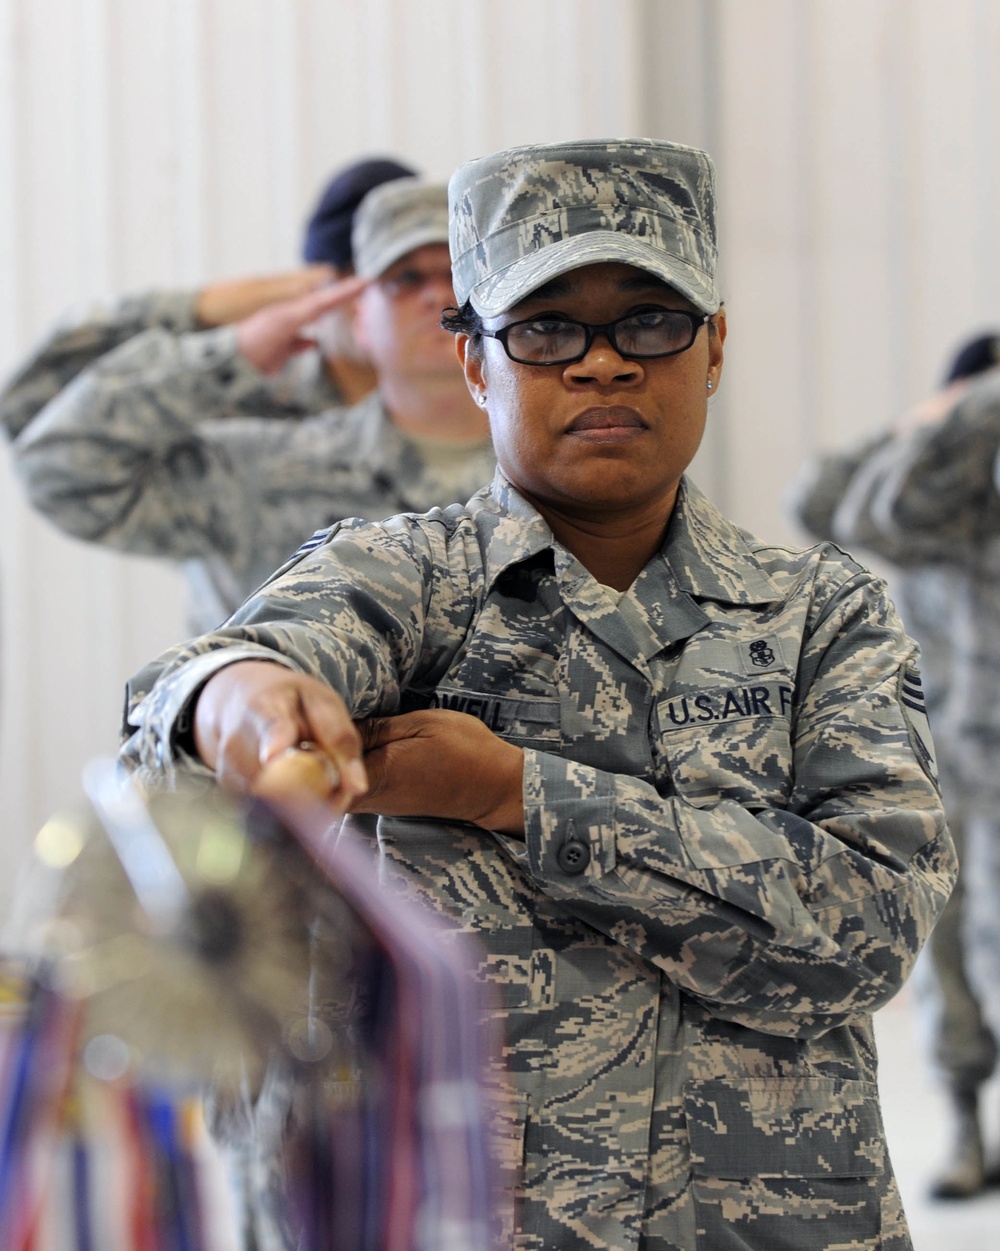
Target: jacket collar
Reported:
[(704, 558), (711, 557), (708, 556)]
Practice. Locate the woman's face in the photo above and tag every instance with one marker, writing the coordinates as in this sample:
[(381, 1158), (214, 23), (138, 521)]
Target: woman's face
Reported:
[(606, 435)]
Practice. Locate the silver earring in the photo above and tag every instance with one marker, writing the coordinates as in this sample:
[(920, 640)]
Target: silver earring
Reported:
[(482, 401), (710, 384)]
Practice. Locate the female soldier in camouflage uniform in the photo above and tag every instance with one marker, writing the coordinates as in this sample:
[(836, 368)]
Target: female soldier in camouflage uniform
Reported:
[(678, 780)]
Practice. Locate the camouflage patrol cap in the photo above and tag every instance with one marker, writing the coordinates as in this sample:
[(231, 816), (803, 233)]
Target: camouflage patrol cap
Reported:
[(396, 218), (525, 215)]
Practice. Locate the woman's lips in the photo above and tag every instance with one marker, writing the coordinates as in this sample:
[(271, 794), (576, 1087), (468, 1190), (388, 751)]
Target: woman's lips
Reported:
[(607, 423)]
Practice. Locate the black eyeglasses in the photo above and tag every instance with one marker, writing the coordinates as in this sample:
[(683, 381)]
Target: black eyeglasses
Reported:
[(560, 340)]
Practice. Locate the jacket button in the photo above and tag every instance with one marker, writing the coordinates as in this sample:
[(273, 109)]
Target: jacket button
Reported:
[(573, 856)]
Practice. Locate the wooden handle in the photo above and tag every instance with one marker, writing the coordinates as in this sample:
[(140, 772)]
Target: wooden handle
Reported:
[(298, 771)]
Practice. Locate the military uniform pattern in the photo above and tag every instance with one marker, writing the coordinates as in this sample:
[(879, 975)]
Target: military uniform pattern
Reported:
[(734, 849), (396, 218), (928, 501), (931, 498), (91, 331), (522, 216), (146, 451)]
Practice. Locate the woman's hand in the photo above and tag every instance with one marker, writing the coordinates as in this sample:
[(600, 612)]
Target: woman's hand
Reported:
[(250, 714), (441, 763)]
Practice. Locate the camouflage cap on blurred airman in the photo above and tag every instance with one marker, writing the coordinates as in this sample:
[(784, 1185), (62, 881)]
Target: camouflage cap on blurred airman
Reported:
[(396, 218), (525, 215)]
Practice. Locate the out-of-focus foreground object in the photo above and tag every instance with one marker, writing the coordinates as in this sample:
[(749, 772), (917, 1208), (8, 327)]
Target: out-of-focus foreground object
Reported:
[(168, 945)]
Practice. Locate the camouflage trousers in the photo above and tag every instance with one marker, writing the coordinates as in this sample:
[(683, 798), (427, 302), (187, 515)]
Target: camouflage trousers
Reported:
[(961, 1042), (981, 922)]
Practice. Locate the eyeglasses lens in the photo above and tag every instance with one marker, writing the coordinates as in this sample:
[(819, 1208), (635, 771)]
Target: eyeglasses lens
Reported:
[(654, 334), (554, 341)]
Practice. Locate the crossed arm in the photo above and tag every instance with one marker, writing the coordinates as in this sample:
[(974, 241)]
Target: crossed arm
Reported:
[(790, 919), (435, 763)]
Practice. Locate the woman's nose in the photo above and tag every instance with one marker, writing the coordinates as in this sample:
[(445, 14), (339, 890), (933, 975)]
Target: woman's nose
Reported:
[(603, 365)]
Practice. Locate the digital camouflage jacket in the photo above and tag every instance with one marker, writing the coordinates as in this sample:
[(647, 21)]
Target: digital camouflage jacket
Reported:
[(92, 330), (734, 849), (150, 450)]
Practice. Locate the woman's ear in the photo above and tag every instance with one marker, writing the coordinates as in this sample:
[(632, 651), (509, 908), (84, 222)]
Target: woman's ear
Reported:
[(718, 339), (473, 365)]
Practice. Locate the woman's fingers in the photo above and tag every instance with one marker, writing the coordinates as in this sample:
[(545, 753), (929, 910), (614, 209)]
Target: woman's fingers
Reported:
[(253, 714)]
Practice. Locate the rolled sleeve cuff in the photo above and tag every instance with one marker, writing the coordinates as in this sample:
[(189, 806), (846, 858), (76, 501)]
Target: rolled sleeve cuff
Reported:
[(569, 825), (169, 719), (174, 310)]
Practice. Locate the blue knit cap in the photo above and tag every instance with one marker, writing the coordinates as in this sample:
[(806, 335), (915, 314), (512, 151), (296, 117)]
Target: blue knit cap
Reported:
[(974, 357), (328, 231)]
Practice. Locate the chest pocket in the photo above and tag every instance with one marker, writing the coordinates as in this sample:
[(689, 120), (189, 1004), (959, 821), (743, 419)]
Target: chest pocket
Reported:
[(534, 722), (729, 743)]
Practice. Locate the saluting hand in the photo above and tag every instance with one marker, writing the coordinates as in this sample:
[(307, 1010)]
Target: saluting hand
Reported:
[(222, 303), (934, 408), (271, 336), (441, 763)]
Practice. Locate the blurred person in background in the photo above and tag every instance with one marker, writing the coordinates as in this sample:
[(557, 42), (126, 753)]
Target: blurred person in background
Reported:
[(144, 452), (337, 374), (922, 495)]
